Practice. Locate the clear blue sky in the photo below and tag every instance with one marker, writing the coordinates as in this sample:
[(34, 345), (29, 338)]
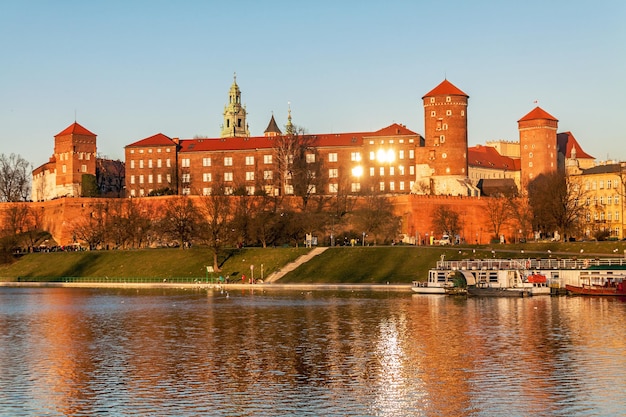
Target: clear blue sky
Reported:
[(131, 69)]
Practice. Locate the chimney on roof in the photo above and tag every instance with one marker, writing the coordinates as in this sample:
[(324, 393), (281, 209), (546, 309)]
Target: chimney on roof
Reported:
[(176, 140)]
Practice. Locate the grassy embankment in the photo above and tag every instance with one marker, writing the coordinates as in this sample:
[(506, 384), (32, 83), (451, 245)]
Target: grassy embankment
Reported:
[(397, 264), (145, 265), (403, 264)]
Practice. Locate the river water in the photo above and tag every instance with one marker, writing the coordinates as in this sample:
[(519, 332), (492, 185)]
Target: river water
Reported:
[(196, 352)]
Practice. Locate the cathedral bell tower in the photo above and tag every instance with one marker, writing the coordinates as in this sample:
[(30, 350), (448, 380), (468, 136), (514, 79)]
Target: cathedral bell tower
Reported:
[(234, 114)]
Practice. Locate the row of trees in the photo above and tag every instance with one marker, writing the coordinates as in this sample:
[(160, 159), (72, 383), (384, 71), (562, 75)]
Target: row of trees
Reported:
[(220, 220)]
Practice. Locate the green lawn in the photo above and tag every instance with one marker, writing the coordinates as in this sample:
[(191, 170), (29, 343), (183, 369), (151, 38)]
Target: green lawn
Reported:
[(153, 264), (382, 264)]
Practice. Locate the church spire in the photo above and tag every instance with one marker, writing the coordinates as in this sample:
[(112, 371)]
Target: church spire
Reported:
[(234, 114), (289, 129)]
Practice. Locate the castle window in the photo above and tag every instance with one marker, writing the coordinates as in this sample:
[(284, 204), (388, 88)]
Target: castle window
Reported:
[(411, 169), (249, 175), (141, 163), (141, 179), (355, 187), (530, 164), (530, 154), (64, 169), (401, 185), (310, 158), (132, 193), (206, 177), (609, 200), (228, 161), (356, 156), (159, 163), (332, 157), (433, 114), (132, 179), (159, 178), (608, 184), (601, 184), (249, 160), (445, 126), (448, 99), (227, 123), (411, 153), (132, 151), (238, 122), (267, 159), (268, 175), (382, 185), (150, 178), (228, 190), (401, 154), (333, 173), (401, 169), (448, 112), (168, 162), (132, 164), (185, 162), (149, 163), (382, 171), (333, 188), (250, 189), (439, 123), (392, 186), (372, 156), (391, 170), (206, 191), (432, 99), (616, 201), (442, 138), (206, 162), (186, 178), (228, 176), (186, 191), (462, 113), (168, 177), (372, 171)]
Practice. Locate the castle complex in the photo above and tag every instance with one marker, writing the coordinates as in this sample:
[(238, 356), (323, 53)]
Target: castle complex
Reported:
[(393, 160)]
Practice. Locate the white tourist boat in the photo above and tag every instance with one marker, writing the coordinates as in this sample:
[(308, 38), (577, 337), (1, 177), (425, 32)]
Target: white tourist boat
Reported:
[(437, 282), (526, 276)]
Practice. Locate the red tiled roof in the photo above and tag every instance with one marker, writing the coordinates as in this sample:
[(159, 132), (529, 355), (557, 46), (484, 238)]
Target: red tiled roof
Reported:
[(392, 130), (445, 88), (156, 140), (75, 129), (488, 157), (566, 142), (263, 142), (538, 113)]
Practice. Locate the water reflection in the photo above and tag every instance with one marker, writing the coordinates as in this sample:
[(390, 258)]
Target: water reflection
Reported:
[(267, 353)]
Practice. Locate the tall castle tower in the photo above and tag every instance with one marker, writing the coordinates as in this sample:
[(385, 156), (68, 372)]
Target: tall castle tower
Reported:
[(445, 135), (75, 154), (538, 144), (234, 114)]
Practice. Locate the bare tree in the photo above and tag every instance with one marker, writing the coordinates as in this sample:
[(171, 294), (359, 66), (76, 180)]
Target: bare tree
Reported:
[(376, 219), (180, 221), (558, 204), (215, 229), (14, 178), (91, 227), (446, 221), (300, 169), (498, 213)]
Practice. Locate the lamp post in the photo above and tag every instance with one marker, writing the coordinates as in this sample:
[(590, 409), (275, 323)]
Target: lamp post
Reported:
[(363, 238)]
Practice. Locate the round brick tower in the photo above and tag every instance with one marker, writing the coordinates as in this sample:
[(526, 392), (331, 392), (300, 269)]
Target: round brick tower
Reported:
[(538, 144), (445, 134)]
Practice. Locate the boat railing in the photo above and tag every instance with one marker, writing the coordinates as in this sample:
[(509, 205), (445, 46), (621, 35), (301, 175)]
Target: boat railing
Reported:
[(531, 263)]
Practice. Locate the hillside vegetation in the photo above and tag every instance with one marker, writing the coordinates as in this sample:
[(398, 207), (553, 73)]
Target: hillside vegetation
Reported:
[(382, 264)]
